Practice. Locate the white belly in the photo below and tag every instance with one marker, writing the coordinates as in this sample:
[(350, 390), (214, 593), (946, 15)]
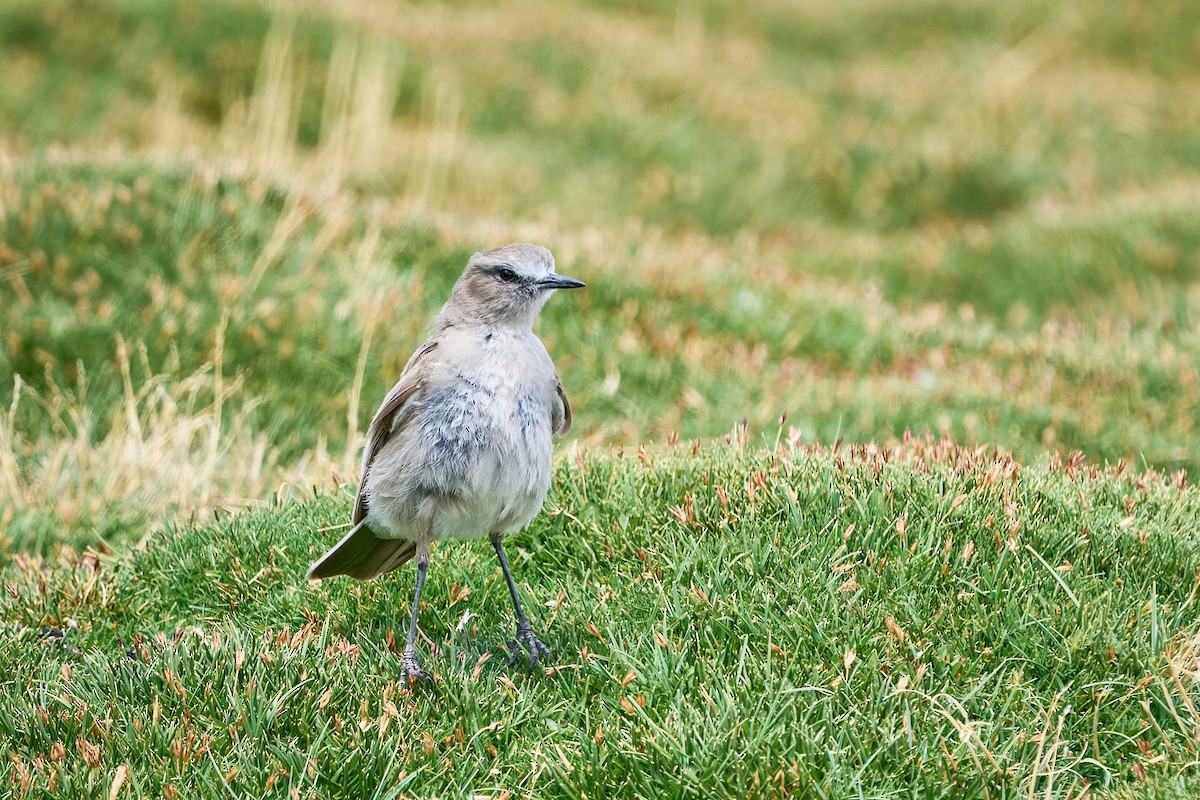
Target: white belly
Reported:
[(472, 459)]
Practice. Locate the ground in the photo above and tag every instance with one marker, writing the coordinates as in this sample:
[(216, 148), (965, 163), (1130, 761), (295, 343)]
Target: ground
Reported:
[(920, 280)]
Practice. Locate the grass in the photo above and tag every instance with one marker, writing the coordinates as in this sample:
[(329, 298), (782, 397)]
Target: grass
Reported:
[(224, 227), (728, 621), (643, 354)]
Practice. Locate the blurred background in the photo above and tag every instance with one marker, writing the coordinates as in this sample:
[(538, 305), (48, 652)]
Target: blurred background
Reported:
[(225, 225)]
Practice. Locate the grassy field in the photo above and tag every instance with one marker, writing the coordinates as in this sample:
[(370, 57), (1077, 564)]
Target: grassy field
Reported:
[(224, 227), (925, 621)]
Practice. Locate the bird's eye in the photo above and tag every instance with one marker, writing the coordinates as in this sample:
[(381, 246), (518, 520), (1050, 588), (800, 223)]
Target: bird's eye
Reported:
[(506, 274)]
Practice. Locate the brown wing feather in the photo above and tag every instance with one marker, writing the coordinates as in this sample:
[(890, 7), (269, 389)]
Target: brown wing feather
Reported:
[(382, 426), (566, 404)]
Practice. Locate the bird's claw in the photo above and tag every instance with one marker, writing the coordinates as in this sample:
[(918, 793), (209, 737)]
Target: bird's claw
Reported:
[(410, 667), (525, 636)]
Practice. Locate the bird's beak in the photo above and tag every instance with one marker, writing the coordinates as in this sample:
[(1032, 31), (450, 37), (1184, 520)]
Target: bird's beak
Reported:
[(560, 282)]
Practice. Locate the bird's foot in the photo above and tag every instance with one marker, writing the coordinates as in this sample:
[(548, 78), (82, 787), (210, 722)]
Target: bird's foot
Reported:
[(525, 636), (410, 667)]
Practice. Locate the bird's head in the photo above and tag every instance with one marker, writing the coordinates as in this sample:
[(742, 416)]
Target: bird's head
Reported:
[(506, 286)]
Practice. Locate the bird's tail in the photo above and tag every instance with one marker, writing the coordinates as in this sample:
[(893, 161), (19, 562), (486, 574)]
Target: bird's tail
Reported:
[(361, 554)]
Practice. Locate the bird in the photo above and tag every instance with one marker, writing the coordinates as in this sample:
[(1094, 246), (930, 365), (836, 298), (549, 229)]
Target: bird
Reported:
[(460, 448)]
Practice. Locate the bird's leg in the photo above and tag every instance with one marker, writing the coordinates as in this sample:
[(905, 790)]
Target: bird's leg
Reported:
[(410, 665), (525, 635)]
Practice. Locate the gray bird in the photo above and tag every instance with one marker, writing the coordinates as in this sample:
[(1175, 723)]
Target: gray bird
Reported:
[(460, 447)]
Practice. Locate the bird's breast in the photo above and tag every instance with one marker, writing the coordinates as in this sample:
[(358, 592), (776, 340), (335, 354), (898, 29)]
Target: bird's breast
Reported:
[(485, 433), (473, 457)]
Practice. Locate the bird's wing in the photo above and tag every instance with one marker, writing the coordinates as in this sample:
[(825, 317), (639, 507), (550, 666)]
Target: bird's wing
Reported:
[(561, 417), (385, 423)]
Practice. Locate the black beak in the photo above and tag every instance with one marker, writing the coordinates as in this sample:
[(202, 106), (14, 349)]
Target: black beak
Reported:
[(560, 282)]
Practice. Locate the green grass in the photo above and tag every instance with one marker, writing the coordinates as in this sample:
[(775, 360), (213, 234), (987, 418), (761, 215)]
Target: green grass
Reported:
[(175, 263), (68, 81), (976, 220), (929, 622), (224, 228)]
